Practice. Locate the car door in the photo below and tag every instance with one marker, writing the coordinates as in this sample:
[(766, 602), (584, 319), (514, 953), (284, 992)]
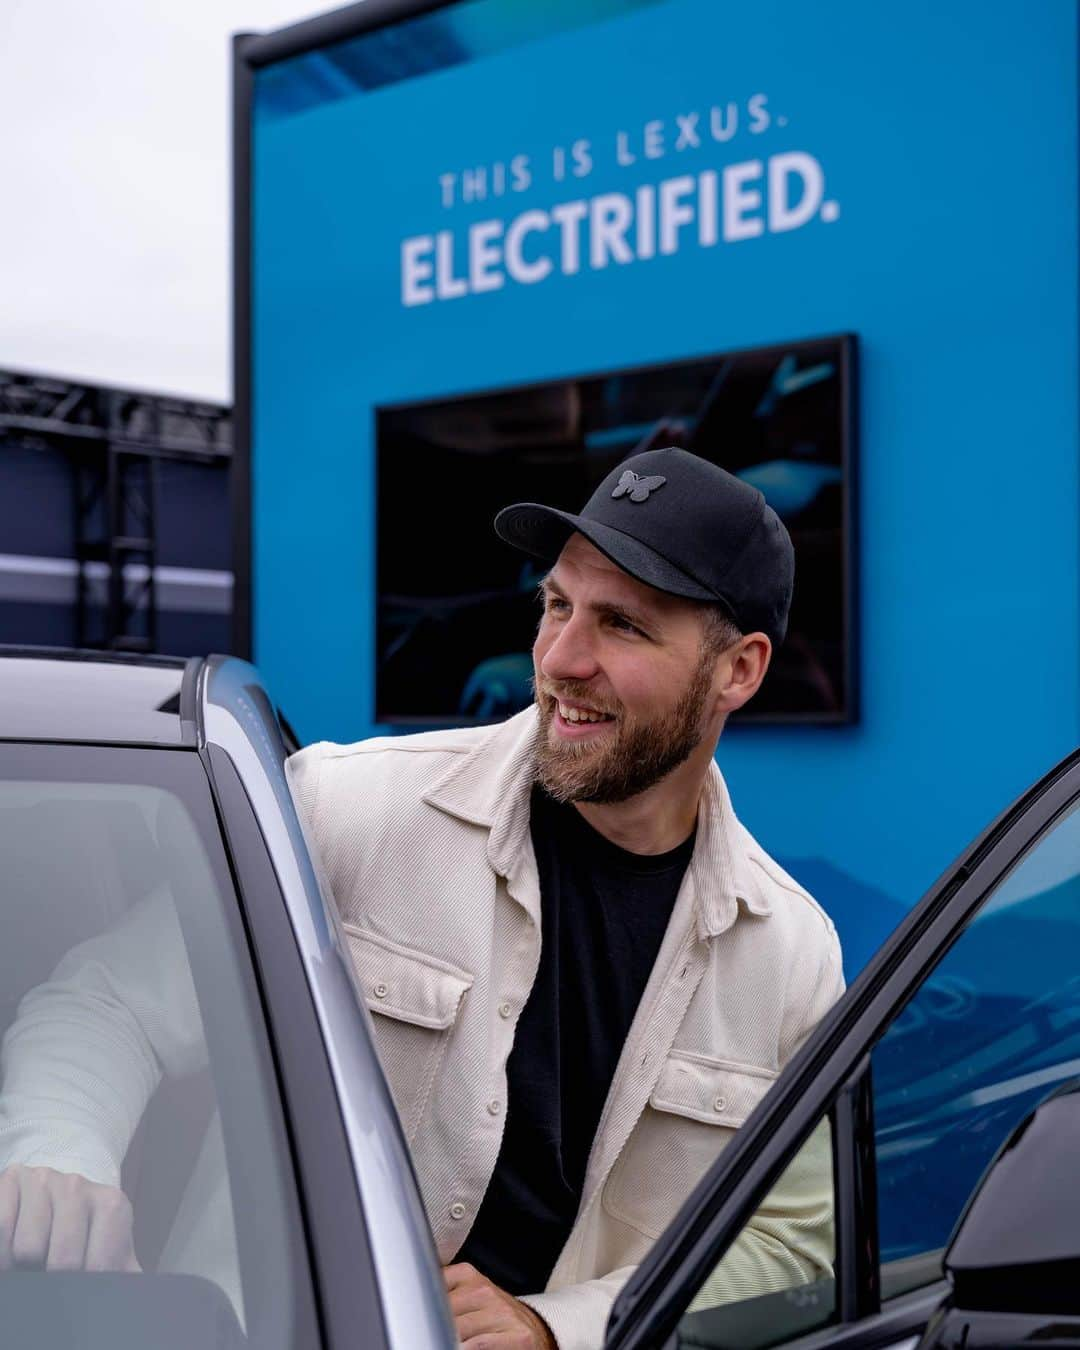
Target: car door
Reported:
[(966, 1018)]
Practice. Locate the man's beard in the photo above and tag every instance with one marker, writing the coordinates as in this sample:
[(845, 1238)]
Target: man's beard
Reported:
[(620, 764)]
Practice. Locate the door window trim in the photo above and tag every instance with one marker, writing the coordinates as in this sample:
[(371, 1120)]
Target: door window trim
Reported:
[(857, 1264), (238, 731)]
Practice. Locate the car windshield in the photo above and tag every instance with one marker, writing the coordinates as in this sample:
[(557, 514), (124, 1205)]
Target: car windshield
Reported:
[(146, 1194)]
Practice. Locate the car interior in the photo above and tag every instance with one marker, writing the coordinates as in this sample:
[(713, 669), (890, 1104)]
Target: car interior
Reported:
[(75, 863)]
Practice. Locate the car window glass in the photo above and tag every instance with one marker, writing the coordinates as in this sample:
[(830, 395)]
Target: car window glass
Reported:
[(135, 1121), (775, 1280), (991, 1032)]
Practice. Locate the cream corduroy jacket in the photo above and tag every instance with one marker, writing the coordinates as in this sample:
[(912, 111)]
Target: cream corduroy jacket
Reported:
[(425, 844)]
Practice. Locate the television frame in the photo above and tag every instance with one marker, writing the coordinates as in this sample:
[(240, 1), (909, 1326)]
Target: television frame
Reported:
[(847, 342)]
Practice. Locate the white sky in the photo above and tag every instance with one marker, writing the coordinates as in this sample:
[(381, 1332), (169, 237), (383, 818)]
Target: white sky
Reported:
[(115, 153)]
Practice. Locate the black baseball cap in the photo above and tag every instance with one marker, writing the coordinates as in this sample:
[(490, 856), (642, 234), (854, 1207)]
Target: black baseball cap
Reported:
[(681, 524)]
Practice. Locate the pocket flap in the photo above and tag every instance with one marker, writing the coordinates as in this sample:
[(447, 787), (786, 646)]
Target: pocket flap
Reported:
[(403, 983), (715, 1091)]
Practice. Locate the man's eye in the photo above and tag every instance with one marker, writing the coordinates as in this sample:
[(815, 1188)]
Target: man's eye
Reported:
[(625, 626), (556, 606)]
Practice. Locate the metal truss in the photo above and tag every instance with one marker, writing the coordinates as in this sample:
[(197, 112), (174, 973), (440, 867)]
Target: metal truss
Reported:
[(113, 441)]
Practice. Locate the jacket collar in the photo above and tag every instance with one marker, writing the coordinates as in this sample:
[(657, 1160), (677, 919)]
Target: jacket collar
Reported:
[(491, 786), (724, 878)]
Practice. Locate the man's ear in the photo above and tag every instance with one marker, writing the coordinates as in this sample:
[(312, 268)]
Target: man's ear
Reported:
[(740, 671)]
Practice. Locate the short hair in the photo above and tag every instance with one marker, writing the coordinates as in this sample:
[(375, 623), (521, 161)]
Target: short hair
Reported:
[(719, 630)]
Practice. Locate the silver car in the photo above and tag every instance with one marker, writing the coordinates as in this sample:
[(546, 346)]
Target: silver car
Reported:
[(182, 1031)]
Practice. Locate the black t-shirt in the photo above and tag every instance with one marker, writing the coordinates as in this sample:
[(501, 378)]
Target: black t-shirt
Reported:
[(603, 915)]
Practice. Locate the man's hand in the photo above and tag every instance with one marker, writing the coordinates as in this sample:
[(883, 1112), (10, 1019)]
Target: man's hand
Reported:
[(488, 1318), (61, 1221)]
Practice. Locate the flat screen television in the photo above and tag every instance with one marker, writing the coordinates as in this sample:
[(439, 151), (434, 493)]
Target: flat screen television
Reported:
[(457, 609)]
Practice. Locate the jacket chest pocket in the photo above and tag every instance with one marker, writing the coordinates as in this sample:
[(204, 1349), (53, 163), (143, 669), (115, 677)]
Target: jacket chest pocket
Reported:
[(692, 1114), (414, 999)]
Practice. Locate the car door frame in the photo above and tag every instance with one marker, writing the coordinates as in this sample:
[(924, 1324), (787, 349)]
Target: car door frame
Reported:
[(377, 1228), (830, 1074)]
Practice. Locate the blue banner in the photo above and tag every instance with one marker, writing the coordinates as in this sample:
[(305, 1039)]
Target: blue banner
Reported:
[(495, 194)]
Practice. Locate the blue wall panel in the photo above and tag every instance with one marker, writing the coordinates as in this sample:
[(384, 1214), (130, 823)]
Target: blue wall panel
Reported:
[(947, 136)]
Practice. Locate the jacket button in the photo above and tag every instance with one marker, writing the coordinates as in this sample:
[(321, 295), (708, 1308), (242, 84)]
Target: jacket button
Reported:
[(457, 1210), (719, 1103), (505, 1010), (381, 990), (494, 1107)]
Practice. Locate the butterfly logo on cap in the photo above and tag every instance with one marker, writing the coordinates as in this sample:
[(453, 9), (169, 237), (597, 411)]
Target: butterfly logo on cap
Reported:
[(638, 488)]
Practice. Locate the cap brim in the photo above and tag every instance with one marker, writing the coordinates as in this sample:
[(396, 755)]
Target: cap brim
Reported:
[(541, 531)]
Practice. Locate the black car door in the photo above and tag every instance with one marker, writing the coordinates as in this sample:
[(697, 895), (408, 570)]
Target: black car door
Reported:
[(967, 1017)]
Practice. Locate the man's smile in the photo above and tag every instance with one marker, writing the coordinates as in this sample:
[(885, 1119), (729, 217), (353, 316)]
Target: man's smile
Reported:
[(576, 712), (575, 720)]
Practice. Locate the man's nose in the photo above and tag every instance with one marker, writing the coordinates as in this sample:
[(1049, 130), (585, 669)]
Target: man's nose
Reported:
[(572, 654)]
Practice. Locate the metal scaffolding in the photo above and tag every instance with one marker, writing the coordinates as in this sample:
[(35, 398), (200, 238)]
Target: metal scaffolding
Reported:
[(113, 441)]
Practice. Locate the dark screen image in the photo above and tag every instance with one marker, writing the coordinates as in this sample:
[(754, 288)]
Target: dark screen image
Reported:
[(457, 608)]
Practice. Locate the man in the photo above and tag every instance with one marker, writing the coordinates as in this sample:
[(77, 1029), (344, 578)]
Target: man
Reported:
[(584, 972)]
